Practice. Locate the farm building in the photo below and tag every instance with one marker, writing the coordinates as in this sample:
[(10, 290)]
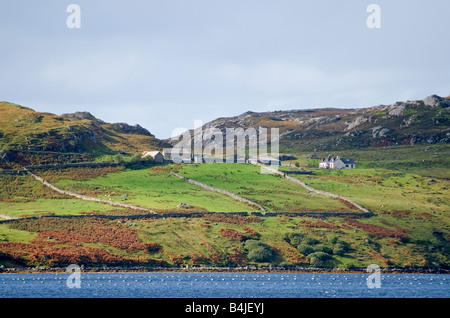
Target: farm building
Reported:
[(157, 156), (337, 163)]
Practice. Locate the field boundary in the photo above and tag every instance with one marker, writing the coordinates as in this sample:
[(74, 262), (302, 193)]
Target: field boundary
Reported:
[(320, 192), (27, 169), (194, 215), (88, 198), (209, 188)]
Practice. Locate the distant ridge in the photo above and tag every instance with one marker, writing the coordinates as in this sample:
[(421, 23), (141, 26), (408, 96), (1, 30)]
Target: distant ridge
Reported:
[(401, 123)]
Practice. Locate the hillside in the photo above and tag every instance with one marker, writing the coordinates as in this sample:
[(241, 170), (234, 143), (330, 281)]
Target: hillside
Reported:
[(409, 230), (25, 132), (401, 123), (402, 177)]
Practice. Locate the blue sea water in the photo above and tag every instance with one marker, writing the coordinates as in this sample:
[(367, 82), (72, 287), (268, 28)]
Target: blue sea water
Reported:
[(223, 285)]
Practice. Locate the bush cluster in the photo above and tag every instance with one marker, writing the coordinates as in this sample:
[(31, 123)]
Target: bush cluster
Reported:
[(320, 259), (259, 251), (318, 253)]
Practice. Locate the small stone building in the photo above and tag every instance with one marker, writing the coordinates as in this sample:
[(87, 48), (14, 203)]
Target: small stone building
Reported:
[(157, 156)]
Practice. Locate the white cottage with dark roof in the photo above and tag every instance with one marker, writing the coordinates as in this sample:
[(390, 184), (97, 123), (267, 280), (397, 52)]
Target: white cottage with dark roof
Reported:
[(337, 163)]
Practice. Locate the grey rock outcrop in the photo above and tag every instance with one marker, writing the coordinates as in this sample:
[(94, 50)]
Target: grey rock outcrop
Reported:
[(397, 109), (436, 101)]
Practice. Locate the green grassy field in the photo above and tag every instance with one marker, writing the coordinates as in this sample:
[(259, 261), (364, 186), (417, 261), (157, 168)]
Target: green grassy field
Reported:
[(425, 160), (271, 191), (384, 190), (155, 189), (55, 207), (23, 196)]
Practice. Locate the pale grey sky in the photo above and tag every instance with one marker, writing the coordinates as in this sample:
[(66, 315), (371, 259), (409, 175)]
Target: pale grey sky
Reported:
[(163, 64)]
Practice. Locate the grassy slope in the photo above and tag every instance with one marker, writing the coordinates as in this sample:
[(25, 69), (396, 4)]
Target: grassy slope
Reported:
[(426, 160), (24, 128), (402, 187), (54, 207), (271, 191), (155, 189), (384, 190), (22, 196)]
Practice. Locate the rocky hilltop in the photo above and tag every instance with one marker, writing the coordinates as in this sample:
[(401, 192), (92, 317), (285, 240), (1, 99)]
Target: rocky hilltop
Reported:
[(401, 123), (23, 130)]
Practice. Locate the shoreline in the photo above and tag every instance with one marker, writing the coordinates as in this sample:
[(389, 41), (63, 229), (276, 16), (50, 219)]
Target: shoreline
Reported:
[(141, 269)]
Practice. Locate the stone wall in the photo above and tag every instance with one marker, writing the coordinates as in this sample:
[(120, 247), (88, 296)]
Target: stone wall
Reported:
[(59, 166), (311, 189), (87, 198), (14, 172), (196, 215), (74, 165), (228, 193), (296, 172)]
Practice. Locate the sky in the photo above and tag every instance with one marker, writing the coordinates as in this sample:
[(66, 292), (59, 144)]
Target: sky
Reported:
[(164, 64)]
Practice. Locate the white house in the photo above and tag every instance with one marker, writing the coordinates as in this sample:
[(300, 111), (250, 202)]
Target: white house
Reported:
[(337, 163), (157, 156)]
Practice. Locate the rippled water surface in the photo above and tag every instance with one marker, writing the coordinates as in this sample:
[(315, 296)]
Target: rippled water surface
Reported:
[(222, 285)]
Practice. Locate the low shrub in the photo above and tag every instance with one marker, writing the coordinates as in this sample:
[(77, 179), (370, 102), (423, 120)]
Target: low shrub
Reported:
[(294, 238), (344, 245), (338, 250), (259, 251), (252, 244), (320, 259), (323, 248), (305, 249), (260, 254), (311, 241)]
